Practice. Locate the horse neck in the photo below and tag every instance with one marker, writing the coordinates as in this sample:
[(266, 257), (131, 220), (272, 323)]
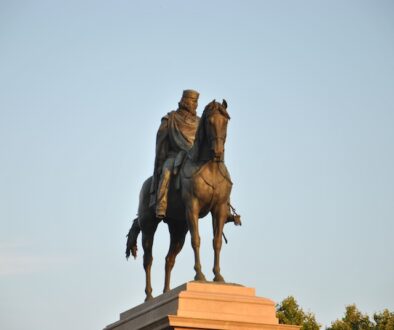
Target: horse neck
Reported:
[(205, 152), (202, 152)]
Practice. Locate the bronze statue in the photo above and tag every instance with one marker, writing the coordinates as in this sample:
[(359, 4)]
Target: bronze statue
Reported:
[(200, 185)]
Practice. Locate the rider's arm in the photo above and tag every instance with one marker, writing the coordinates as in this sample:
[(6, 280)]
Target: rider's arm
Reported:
[(162, 144)]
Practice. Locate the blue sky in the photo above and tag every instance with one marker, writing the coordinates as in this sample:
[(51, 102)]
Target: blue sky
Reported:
[(83, 85)]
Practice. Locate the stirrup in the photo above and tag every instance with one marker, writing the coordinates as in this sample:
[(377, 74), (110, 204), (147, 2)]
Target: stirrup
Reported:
[(234, 217)]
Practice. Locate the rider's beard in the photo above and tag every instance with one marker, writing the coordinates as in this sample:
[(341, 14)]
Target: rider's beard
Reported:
[(188, 107)]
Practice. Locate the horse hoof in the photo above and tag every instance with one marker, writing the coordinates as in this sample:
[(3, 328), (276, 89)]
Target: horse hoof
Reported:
[(200, 277), (218, 278), (150, 297)]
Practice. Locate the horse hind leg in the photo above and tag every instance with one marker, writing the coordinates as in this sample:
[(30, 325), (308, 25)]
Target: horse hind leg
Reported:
[(177, 239), (147, 244)]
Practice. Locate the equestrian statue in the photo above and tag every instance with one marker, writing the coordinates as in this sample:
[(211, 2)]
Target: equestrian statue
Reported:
[(189, 181)]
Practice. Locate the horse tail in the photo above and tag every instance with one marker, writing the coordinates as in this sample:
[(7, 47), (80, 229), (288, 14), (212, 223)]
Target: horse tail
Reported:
[(131, 245), (143, 215)]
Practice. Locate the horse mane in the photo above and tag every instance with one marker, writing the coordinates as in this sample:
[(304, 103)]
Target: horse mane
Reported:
[(209, 109)]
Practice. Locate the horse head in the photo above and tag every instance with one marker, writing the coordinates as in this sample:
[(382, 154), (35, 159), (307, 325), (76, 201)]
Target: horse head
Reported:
[(211, 133), (215, 121)]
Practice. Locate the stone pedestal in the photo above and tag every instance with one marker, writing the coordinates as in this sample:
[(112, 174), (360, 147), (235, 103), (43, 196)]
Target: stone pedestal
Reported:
[(198, 305)]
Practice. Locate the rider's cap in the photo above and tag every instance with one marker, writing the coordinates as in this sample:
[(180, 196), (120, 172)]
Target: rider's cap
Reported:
[(191, 94)]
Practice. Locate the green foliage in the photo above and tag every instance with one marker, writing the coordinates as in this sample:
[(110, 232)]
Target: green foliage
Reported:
[(288, 312), (355, 320), (384, 320), (310, 322), (339, 325)]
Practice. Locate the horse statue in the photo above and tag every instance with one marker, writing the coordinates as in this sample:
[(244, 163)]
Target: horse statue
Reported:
[(202, 185)]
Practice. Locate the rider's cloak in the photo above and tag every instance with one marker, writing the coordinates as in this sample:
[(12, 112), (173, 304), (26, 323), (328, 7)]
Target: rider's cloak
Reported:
[(176, 133)]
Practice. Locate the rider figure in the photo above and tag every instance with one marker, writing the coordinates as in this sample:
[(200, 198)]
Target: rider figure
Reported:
[(175, 135)]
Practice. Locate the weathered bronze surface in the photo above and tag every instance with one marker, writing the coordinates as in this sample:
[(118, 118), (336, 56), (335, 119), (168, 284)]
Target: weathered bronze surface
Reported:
[(197, 183)]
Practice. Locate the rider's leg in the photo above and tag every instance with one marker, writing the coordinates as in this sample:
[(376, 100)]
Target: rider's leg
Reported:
[(162, 190)]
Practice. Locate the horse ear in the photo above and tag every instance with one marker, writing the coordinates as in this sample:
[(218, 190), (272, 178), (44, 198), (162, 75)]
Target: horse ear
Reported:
[(213, 101), (224, 104)]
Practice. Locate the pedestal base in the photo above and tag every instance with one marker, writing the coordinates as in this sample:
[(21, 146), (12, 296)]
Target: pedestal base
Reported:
[(200, 305)]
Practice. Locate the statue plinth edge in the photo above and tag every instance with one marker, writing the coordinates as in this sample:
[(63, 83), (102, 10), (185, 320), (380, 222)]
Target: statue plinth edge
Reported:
[(203, 305)]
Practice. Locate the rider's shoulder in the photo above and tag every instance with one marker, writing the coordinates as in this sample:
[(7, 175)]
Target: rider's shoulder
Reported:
[(168, 115)]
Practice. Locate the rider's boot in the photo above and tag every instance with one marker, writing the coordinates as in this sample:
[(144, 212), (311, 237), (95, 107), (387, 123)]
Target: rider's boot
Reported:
[(162, 194), (233, 216), (236, 218)]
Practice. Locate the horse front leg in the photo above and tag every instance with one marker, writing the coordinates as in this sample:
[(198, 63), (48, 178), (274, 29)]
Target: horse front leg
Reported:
[(177, 239), (219, 217), (192, 221)]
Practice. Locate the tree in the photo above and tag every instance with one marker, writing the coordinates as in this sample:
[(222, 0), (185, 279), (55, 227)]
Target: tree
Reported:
[(288, 312), (353, 320), (384, 320)]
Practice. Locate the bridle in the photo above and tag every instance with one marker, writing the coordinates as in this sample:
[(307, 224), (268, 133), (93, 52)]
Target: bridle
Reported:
[(216, 138)]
